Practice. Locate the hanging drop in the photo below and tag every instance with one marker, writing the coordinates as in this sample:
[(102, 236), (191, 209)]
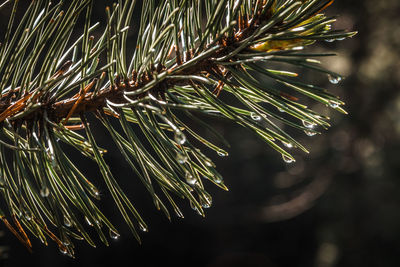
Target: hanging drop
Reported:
[(287, 159), (334, 79), (190, 179), (222, 153), (113, 234), (180, 137), (44, 191)]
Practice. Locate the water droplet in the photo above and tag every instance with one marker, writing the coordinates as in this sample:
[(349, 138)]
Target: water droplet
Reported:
[(222, 153), (96, 192), (209, 163), (334, 79), (88, 221), (190, 179), (67, 221), (66, 242), (205, 204), (329, 40), (287, 159), (218, 179), (181, 158), (308, 124), (113, 234), (333, 104), (309, 133), (206, 201), (288, 145), (44, 191), (28, 215), (63, 249), (281, 110), (255, 116), (143, 227), (180, 137)]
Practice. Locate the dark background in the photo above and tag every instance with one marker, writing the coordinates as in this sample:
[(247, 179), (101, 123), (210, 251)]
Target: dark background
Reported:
[(337, 206)]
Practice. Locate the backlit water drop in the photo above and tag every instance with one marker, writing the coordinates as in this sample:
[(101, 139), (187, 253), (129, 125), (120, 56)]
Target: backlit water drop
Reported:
[(288, 145), (113, 234), (181, 158), (310, 133), (67, 221), (222, 153), (190, 179), (334, 79), (255, 116), (333, 104), (180, 137), (287, 159), (44, 191), (308, 124), (143, 227)]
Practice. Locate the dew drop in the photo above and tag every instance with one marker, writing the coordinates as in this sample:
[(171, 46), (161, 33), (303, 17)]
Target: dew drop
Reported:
[(255, 116), (28, 215), (181, 158), (281, 110), (287, 159), (334, 79), (63, 249), (143, 227), (66, 242), (180, 137), (218, 179), (206, 201), (44, 191), (95, 192), (205, 205), (288, 145), (67, 221), (113, 234), (329, 40), (309, 133), (222, 153), (308, 124), (333, 104), (190, 179), (209, 163)]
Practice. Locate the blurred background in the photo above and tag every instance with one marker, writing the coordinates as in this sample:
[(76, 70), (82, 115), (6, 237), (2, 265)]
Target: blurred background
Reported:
[(337, 206)]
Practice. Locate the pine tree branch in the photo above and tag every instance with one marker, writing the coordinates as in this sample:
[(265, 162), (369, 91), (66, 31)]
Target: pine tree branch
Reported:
[(188, 57)]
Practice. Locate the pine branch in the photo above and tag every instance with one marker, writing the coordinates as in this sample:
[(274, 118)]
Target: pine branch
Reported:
[(188, 56)]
